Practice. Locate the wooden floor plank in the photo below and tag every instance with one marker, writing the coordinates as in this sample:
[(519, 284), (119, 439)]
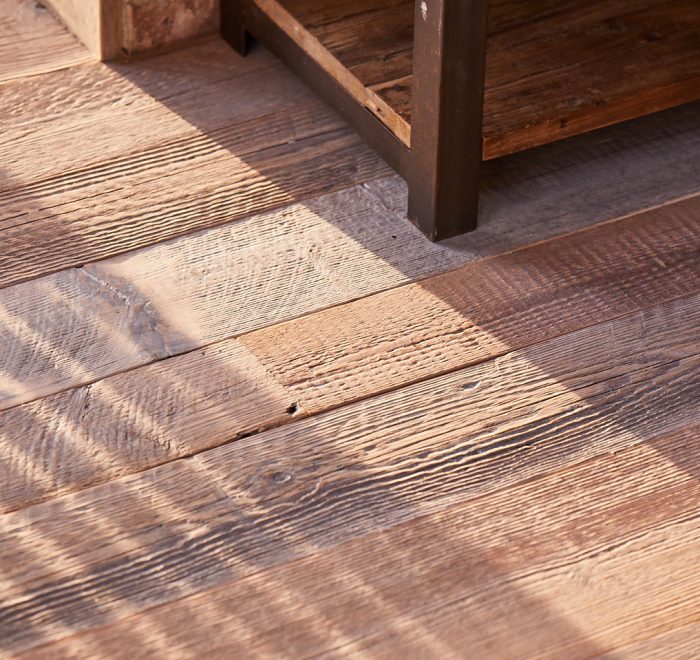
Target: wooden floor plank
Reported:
[(190, 292), (105, 112), (47, 239), (481, 311), (155, 537), (517, 471), (33, 42), (535, 569), (132, 421), (677, 644), (198, 169), (323, 360)]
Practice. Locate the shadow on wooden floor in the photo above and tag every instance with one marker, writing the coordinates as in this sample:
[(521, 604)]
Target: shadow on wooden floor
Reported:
[(150, 541)]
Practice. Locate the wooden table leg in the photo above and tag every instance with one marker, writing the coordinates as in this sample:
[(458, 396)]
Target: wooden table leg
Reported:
[(446, 120)]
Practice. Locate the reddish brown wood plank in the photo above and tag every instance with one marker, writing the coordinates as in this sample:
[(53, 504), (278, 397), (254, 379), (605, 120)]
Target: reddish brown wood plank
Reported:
[(164, 534), (335, 356)]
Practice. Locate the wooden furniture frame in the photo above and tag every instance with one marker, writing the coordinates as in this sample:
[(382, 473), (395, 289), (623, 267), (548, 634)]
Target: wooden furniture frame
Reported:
[(434, 105)]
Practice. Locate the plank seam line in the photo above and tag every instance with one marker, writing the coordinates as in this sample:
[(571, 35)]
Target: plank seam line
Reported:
[(422, 516), (236, 337), (295, 418)]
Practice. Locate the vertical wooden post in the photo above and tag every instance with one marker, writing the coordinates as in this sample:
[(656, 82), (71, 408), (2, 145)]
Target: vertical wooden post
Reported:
[(449, 57), (233, 25)]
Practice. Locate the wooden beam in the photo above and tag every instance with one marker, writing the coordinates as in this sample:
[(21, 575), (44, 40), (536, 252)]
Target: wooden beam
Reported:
[(113, 28)]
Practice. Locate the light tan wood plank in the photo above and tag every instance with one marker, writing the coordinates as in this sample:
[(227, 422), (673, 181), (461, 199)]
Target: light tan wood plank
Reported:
[(33, 42), (481, 311), (677, 644), (172, 298), (143, 417), (562, 565)]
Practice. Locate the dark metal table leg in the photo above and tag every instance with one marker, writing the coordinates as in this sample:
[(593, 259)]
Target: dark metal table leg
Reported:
[(446, 120), (232, 25)]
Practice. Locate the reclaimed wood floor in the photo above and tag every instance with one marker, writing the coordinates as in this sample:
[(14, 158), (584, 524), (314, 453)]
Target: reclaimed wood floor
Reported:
[(247, 410)]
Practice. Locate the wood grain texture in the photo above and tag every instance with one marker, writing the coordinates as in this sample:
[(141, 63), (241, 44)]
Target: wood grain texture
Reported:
[(131, 421), (161, 535), (78, 326), (213, 174), (148, 25), (553, 69), (303, 257), (486, 309), (677, 644), (516, 571), (322, 360), (33, 42), (84, 19), (544, 497), (86, 115)]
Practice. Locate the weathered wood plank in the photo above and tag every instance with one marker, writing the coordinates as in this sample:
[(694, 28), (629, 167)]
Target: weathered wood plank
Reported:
[(144, 417), (254, 157), (98, 221), (517, 570), (677, 644), (163, 534), (33, 42), (478, 312), (135, 420), (168, 299), (98, 113)]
